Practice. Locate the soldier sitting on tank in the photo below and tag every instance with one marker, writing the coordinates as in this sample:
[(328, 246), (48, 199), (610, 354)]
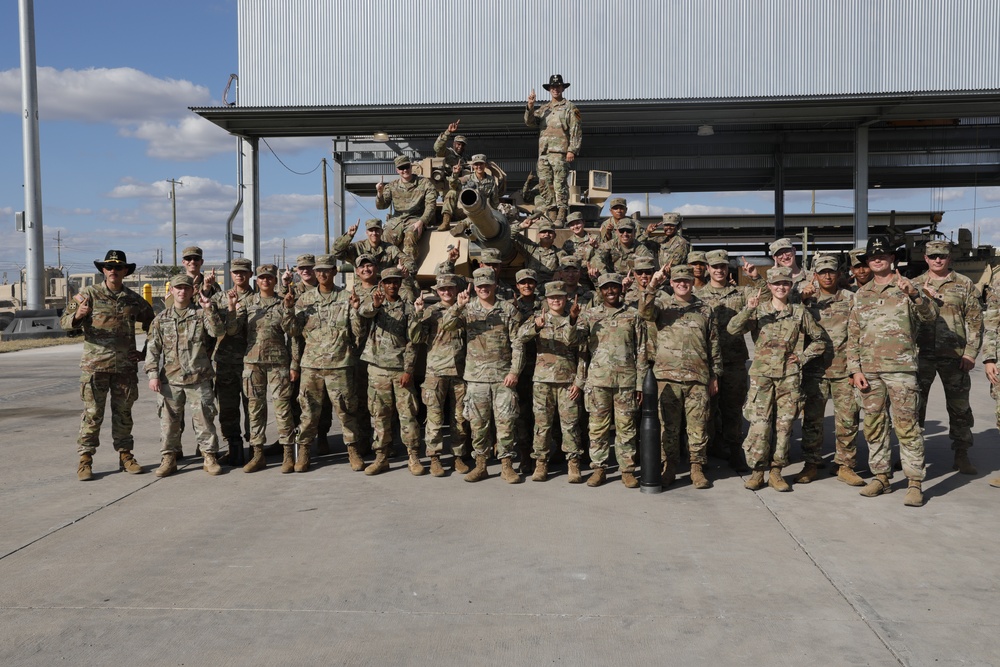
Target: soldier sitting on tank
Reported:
[(413, 200), (618, 255), (618, 207), (453, 155), (478, 180), (540, 256), (673, 249), (382, 253)]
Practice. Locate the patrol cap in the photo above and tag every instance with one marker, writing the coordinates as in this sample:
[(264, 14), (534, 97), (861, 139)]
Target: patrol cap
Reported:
[(361, 260), (714, 257), (391, 273), (460, 139), (526, 274), (477, 158), (644, 264), (879, 245), (325, 262), (267, 270), (779, 274), (241, 264), (697, 257), (373, 223), (555, 288), (183, 279), (858, 257), (672, 219), (305, 260), (681, 272), (402, 161), (484, 276), (937, 248), (826, 263), (618, 201), (490, 256), (626, 223), (575, 216), (570, 262), (545, 226), (446, 280), (192, 251), (609, 278), (779, 245)]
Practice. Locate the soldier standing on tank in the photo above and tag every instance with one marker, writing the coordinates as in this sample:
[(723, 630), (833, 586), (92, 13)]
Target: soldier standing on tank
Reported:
[(558, 143), (619, 255), (228, 357), (882, 359), (444, 386), (687, 366), (618, 207), (268, 321), (107, 314), (775, 375), (182, 335), (413, 199), (453, 155), (325, 365), (580, 244), (541, 256), (480, 181), (493, 360), (614, 344), (949, 346), (827, 377)]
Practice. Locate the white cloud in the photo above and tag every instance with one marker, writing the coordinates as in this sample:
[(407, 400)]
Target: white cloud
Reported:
[(640, 206), (702, 209), (990, 194), (192, 138)]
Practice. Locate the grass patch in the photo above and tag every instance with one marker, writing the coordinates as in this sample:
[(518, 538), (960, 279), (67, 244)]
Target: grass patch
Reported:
[(30, 344)]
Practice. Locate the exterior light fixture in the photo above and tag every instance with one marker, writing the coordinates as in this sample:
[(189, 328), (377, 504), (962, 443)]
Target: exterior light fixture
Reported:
[(380, 136), (705, 130)]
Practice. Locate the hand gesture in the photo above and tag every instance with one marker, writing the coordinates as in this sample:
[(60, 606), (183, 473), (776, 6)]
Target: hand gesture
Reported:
[(809, 290), (378, 297), (527, 222), (453, 127), (233, 298), (457, 169), (593, 271), (749, 268), (660, 276), (418, 305), (539, 320), (209, 282), (464, 296), (83, 309), (204, 301), (650, 228), (353, 299), (905, 285), (455, 252), (627, 280), (574, 310), (380, 186), (286, 277), (353, 229), (531, 99), (754, 301), (289, 300)]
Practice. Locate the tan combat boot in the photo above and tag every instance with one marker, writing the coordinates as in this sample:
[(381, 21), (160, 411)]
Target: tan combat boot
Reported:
[(629, 480), (437, 470), (574, 476), (168, 466), (302, 465), (507, 472), (380, 464), (287, 459), (914, 494), (257, 462), (698, 478), (354, 457), (776, 481), (445, 222), (85, 470), (560, 220), (808, 474), (480, 471), (416, 467), (877, 486), (669, 474), (847, 475), (597, 478), (962, 463), (459, 465), (541, 473), (211, 464), (756, 481), (128, 463)]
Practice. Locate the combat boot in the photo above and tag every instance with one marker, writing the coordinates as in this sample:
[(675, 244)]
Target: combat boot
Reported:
[(914, 494), (211, 464), (257, 462), (597, 478), (629, 480), (128, 463), (507, 472), (877, 486), (541, 473), (847, 475), (380, 464), (962, 463), (480, 471), (669, 474), (437, 470), (322, 445), (287, 459), (354, 457), (445, 222), (459, 465), (416, 467), (808, 474), (85, 470), (776, 481), (698, 479), (756, 481), (560, 220), (302, 464), (168, 466), (574, 476)]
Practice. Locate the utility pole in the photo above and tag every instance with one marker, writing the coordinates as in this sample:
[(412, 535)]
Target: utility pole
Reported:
[(173, 205), (34, 244), (326, 214), (283, 253), (59, 248)]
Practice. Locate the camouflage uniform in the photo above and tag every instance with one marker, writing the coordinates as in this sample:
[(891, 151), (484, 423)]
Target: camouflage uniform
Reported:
[(492, 352), (827, 377), (991, 341), (450, 155), (673, 251), (199, 282), (561, 133), (228, 356), (410, 202), (183, 337), (774, 392), (384, 255), (487, 188), (882, 344), (543, 261), (525, 425), (956, 332), (688, 357), (613, 257), (614, 343), (108, 339)]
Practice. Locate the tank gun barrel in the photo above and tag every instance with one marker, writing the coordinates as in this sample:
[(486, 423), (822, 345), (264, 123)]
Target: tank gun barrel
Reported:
[(491, 226)]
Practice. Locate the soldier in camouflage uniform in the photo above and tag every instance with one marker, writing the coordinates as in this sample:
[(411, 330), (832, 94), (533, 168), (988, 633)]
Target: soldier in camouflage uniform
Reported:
[(614, 344), (687, 367), (541, 256), (268, 321), (228, 357), (991, 353), (107, 314), (455, 154), (325, 360), (493, 360), (779, 353), (383, 254), (304, 264), (580, 245), (443, 383), (193, 259), (609, 226), (182, 335), (528, 304), (557, 380), (558, 143), (783, 254), (619, 255), (698, 262), (413, 200), (634, 286), (673, 249), (882, 359), (391, 358), (569, 273), (949, 346), (365, 283), (860, 270), (490, 258), (479, 180), (827, 377)]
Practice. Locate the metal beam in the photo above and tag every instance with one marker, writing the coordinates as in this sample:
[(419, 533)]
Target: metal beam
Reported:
[(779, 196), (251, 200), (861, 185)]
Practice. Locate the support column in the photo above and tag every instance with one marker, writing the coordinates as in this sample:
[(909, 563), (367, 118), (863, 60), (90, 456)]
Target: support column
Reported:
[(861, 186), (779, 196), (339, 204), (251, 200), (34, 267)]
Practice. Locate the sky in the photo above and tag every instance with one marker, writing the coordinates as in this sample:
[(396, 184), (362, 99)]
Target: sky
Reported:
[(115, 81)]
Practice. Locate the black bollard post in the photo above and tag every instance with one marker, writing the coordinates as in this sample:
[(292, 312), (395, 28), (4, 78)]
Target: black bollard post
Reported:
[(651, 480), (236, 457)]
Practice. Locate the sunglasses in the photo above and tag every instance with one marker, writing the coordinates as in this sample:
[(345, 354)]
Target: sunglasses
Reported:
[(406, 168), (937, 256), (643, 272)]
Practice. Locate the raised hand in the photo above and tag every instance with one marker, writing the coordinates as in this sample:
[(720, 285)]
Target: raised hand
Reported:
[(286, 277), (464, 296), (378, 297), (456, 251), (204, 301), (353, 229), (380, 186), (754, 301), (659, 277), (810, 290), (233, 298), (209, 282), (627, 280), (418, 305), (531, 99), (650, 228), (905, 285), (353, 299), (749, 268), (83, 309), (574, 310), (539, 320), (453, 127), (289, 300)]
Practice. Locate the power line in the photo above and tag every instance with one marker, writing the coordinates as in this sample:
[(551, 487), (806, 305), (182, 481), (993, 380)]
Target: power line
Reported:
[(300, 173)]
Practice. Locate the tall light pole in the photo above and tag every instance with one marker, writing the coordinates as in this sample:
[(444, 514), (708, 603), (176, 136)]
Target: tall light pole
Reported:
[(33, 242), (173, 205)]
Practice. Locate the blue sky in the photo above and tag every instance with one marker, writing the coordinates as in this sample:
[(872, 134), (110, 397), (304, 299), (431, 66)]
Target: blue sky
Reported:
[(115, 82)]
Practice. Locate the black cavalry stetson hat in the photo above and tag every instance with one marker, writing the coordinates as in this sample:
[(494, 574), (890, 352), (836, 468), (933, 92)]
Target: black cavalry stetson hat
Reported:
[(555, 80), (116, 257)]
